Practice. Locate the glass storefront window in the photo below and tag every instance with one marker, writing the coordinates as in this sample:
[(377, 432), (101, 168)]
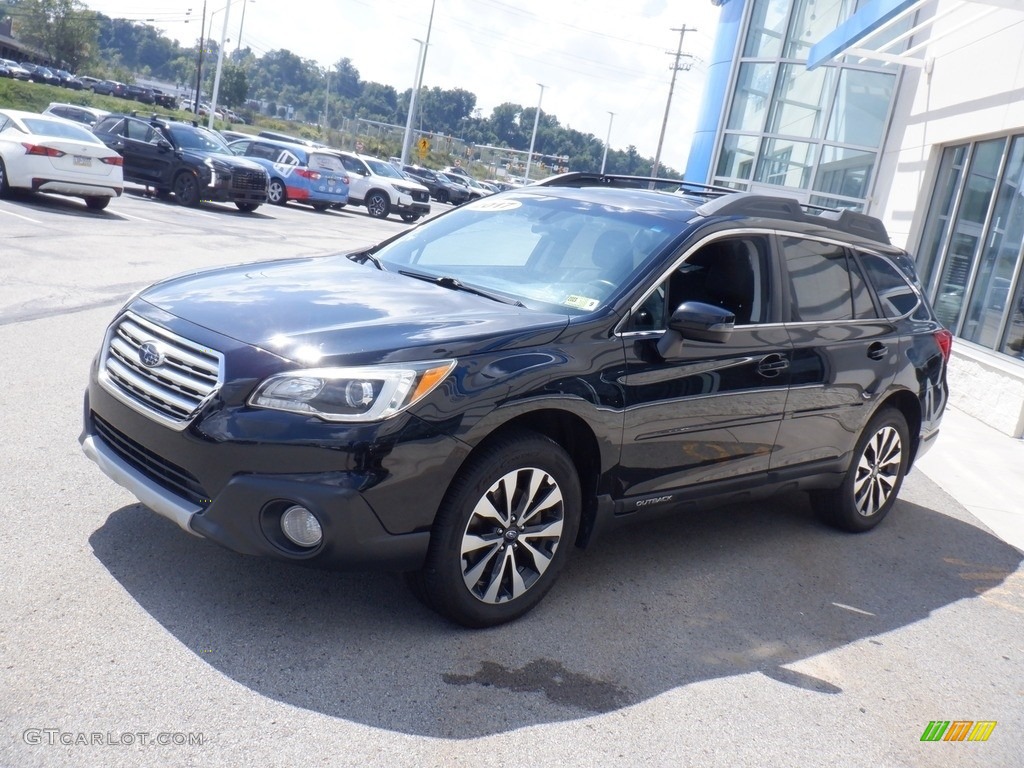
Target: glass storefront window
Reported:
[(812, 20), (737, 157), (767, 29), (967, 232), (786, 163), (990, 294), (936, 225), (799, 100), (753, 92), (844, 172), (860, 108)]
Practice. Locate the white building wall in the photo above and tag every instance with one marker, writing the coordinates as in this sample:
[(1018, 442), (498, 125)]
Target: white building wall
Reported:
[(972, 88)]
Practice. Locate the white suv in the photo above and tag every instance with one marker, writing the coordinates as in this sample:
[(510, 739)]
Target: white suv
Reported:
[(383, 189)]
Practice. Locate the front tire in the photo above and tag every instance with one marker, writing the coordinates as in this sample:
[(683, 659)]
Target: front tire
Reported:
[(276, 192), (503, 531), (186, 189), (378, 205), (409, 218), (247, 207), (5, 186), (872, 483)]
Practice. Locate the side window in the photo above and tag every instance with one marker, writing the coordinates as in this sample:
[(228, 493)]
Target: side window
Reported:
[(894, 292), (820, 288), (863, 306), (239, 147), (139, 131), (264, 151), (4, 122), (731, 273), (111, 125)]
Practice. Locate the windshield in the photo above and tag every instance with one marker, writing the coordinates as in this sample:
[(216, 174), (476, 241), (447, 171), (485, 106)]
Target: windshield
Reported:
[(197, 139), (542, 250), (381, 168)]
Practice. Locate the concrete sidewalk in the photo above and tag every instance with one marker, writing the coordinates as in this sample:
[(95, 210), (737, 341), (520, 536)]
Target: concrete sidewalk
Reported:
[(983, 469)]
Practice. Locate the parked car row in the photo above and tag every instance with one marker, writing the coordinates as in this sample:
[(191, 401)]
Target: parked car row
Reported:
[(39, 74), (192, 164)]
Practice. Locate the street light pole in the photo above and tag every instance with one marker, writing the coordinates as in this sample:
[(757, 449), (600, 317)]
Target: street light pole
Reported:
[(422, 65), (238, 45), (220, 63), (199, 66), (611, 116), (533, 137)]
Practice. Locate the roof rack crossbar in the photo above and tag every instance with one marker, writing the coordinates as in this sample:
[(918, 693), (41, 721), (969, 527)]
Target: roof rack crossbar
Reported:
[(791, 209)]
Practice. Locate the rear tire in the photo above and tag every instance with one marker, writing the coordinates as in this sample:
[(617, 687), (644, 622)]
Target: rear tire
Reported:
[(409, 218), (96, 203), (873, 481), (503, 532), (5, 187), (247, 207), (321, 207)]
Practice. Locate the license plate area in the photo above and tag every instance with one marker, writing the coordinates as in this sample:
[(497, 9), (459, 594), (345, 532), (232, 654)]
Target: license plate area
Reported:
[(81, 160)]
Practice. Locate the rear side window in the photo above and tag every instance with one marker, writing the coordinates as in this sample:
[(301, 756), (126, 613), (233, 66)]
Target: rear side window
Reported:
[(324, 162), (110, 125), (821, 288), (895, 295)]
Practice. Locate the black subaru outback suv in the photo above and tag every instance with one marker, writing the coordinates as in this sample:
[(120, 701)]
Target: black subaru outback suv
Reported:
[(191, 162), (471, 398)]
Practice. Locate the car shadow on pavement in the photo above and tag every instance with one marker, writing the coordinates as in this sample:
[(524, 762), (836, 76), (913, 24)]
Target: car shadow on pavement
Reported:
[(695, 597)]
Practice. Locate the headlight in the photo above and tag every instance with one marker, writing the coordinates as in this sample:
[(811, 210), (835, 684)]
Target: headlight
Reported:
[(213, 170), (369, 393)]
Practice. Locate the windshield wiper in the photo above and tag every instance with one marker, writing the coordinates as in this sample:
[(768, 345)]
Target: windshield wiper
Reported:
[(446, 281), (361, 257)]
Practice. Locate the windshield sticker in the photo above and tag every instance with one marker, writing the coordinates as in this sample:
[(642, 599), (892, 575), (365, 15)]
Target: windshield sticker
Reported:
[(497, 205), (580, 302)]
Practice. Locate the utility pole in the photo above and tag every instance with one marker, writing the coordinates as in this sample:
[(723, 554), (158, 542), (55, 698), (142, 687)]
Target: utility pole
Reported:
[(676, 66)]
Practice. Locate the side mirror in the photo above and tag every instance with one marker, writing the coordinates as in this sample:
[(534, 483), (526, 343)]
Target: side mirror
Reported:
[(696, 321), (163, 145)]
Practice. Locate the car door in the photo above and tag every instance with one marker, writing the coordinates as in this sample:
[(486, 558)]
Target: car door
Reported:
[(706, 411), (144, 160), (358, 177), (844, 354)]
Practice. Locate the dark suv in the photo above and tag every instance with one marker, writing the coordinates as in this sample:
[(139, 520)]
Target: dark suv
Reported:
[(192, 162), (441, 189), (469, 399)]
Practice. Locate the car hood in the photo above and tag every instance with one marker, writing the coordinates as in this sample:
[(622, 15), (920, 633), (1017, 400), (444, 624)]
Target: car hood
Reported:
[(224, 161), (322, 311)]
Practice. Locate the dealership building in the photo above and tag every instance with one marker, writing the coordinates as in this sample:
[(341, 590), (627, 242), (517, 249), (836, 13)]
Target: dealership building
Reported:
[(908, 110)]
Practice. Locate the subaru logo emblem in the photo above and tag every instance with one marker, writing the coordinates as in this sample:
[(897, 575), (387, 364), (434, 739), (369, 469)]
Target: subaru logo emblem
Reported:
[(150, 354)]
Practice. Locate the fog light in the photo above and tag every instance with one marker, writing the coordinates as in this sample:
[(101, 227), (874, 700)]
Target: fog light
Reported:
[(301, 527)]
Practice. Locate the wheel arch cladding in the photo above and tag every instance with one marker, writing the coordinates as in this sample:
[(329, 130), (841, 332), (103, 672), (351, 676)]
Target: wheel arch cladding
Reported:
[(577, 439), (906, 403)]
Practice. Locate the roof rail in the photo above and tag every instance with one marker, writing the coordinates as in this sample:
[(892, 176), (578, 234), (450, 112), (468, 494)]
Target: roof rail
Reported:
[(622, 181), (790, 209)]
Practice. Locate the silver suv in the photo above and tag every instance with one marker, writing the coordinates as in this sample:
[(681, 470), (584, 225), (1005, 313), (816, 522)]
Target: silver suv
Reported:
[(382, 188)]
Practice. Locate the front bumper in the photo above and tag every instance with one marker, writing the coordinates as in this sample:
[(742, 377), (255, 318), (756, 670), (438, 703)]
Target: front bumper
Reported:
[(374, 494), (245, 187)]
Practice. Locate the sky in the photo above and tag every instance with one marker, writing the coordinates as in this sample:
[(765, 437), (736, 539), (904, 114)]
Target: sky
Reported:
[(592, 56)]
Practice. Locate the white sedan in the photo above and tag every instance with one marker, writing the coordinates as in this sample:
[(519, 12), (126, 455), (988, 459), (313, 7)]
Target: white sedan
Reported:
[(40, 153)]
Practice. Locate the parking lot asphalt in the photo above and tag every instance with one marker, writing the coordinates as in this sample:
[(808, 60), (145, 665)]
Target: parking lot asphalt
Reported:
[(745, 636)]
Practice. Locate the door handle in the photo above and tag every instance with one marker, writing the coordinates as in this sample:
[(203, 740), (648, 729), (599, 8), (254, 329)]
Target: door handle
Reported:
[(878, 351), (772, 365)]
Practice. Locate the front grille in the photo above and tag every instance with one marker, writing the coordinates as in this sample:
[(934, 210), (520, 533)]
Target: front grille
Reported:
[(421, 197), (249, 180), (179, 378), (178, 481)]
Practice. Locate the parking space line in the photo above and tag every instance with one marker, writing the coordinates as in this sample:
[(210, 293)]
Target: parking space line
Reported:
[(19, 216), (133, 217)]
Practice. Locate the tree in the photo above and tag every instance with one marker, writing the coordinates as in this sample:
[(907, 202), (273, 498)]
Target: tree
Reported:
[(234, 85), (60, 28)]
